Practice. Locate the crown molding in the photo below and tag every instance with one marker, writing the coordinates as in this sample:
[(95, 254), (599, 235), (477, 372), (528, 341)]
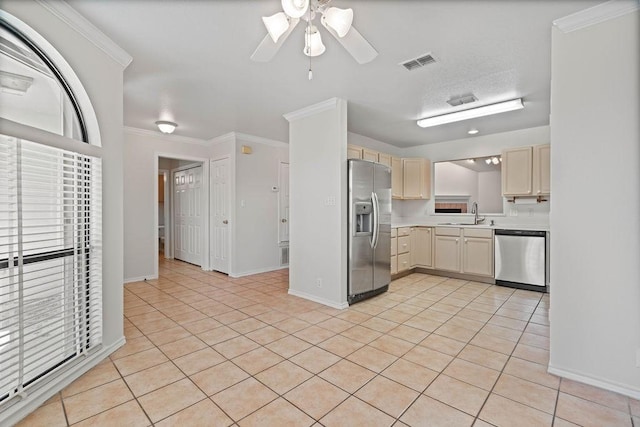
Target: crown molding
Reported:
[(164, 137), (312, 109), (596, 14), (234, 136), (71, 17)]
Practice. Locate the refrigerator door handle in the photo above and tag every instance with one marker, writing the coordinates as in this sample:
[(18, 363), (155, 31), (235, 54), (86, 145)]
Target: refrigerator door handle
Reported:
[(376, 220)]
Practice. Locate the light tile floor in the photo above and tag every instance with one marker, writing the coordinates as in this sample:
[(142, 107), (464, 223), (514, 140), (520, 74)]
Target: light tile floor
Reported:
[(204, 349)]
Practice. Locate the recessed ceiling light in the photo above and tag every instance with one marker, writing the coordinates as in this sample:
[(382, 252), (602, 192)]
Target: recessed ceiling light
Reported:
[(473, 131)]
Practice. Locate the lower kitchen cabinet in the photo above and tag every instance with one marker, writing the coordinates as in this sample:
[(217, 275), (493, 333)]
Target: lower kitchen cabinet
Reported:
[(464, 250), (421, 247), (394, 251), (404, 249)]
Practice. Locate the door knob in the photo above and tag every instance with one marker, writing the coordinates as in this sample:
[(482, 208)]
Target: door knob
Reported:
[(283, 220), (225, 222)]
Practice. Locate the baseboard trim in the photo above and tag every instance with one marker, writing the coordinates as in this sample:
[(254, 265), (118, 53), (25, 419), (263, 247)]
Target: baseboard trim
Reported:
[(140, 279), (323, 301), (597, 382), (258, 271), (16, 412)]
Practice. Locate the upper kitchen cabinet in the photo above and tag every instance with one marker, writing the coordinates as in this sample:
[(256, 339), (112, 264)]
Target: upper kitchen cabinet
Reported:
[(396, 178), (370, 155), (416, 178), (542, 169), (384, 159), (526, 171), (354, 152)]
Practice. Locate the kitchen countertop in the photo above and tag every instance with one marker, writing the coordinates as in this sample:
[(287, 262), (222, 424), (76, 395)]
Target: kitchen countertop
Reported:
[(419, 223)]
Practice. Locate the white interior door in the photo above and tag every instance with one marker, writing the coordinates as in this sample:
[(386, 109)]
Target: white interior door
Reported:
[(283, 203), (188, 215), (220, 215)]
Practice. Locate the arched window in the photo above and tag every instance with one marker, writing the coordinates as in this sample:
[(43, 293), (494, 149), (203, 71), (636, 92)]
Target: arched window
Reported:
[(33, 90), (50, 222)]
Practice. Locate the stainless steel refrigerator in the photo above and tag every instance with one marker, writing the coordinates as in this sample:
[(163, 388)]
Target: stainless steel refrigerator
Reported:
[(369, 243)]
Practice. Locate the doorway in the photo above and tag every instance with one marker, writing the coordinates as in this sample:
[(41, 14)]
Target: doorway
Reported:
[(220, 214), (187, 214)]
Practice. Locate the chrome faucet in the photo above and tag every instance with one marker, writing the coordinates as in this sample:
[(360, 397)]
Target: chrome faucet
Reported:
[(474, 210)]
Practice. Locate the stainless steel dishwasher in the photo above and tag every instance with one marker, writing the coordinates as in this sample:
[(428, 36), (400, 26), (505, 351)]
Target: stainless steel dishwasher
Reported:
[(521, 259)]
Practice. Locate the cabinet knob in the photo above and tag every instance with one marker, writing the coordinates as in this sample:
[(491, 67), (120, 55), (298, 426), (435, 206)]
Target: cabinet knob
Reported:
[(466, 240), (283, 220), (457, 240), (225, 222)]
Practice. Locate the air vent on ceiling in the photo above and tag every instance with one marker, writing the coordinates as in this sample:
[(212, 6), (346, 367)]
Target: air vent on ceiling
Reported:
[(419, 62), (462, 99)]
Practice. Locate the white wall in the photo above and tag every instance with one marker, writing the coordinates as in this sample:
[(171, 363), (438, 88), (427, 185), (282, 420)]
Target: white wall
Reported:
[(141, 149), (318, 153), (256, 246), (471, 147), (455, 180), (490, 191), (101, 77), (374, 144), (595, 172)]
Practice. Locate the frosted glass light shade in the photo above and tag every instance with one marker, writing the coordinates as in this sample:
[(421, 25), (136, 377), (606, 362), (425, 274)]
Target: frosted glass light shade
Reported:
[(339, 20), (276, 25), (165, 126), (295, 8), (313, 45)]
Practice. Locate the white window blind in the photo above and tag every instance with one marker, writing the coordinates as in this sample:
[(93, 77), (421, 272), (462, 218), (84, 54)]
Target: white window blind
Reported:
[(50, 261)]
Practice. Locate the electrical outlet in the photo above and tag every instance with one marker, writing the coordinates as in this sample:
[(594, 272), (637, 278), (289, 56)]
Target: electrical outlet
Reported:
[(319, 282), (513, 211), (331, 201)]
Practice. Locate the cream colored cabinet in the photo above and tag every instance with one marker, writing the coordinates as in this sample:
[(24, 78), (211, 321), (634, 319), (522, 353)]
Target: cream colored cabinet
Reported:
[(416, 178), (464, 250), (421, 244), (447, 249), (394, 251), (396, 178), (404, 249), (526, 171), (517, 171), (384, 159), (354, 152), (370, 155), (477, 251), (542, 170)]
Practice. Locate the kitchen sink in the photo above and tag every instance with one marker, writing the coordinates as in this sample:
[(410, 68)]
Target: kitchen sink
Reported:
[(457, 223)]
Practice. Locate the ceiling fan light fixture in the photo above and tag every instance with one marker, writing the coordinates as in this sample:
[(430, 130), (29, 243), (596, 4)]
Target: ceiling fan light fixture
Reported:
[(487, 110), (295, 8), (339, 20), (166, 126), (276, 25), (313, 45)]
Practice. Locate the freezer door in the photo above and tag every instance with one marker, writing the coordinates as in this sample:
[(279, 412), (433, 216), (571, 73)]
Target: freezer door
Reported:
[(360, 262), (382, 250)]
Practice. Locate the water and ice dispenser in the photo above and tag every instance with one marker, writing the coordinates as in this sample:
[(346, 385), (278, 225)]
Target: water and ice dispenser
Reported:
[(363, 212)]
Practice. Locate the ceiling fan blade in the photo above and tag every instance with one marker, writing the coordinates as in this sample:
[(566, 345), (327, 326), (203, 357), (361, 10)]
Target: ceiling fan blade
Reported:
[(267, 49), (355, 44)]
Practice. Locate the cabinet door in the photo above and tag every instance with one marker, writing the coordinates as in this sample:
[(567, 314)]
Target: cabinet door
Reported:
[(421, 247), (404, 262), (369, 155), (394, 264), (396, 178), (447, 253), (404, 244), (517, 174), (384, 159), (416, 178), (542, 169), (354, 152), (477, 255)]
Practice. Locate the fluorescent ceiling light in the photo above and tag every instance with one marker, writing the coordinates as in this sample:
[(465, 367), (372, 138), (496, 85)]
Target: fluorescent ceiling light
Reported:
[(165, 126), (487, 110), (276, 25)]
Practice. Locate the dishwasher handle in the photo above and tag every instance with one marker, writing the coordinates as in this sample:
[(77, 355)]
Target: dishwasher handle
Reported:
[(524, 233)]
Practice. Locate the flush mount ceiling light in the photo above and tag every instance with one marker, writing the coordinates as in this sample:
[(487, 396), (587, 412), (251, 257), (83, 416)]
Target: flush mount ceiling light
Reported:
[(337, 22), (487, 110), (165, 126), (472, 131)]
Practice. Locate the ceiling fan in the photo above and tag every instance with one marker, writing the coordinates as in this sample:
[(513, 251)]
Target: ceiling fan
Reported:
[(336, 21)]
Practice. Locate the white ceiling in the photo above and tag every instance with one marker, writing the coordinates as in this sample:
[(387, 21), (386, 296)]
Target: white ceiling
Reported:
[(191, 65)]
